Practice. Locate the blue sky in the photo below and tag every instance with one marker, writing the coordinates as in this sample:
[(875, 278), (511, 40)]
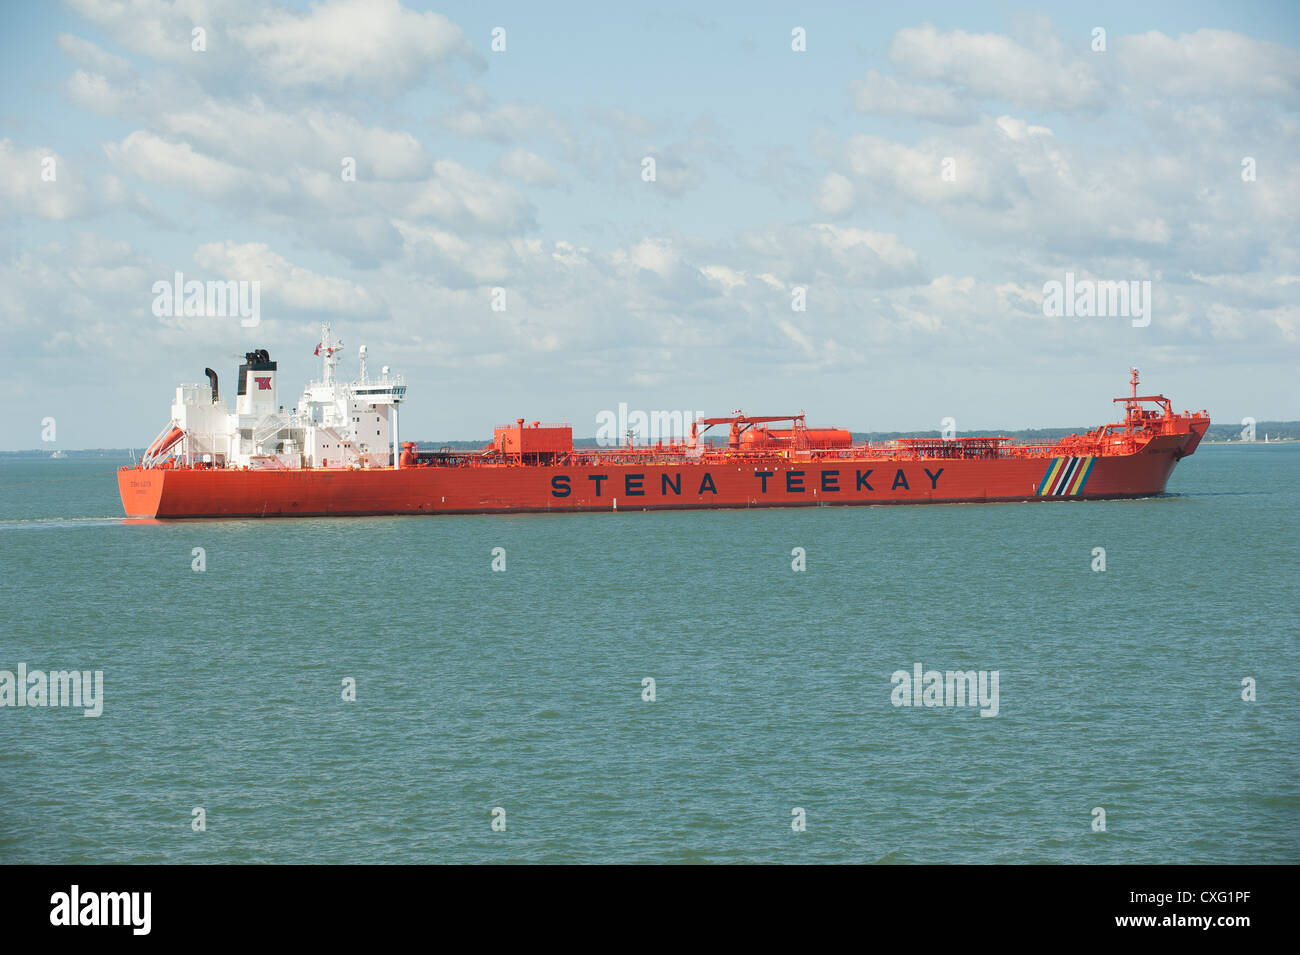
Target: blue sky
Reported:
[(776, 169)]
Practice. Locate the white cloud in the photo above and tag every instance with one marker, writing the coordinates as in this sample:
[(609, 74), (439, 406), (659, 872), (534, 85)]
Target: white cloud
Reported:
[(464, 198), (506, 123), (1014, 179), (1287, 320), (282, 281), (655, 255), (796, 336), (160, 30), (94, 58), (916, 172), (836, 194), (727, 278), (675, 172), (838, 254), (297, 173), (1019, 130), (885, 95), (334, 44), (993, 66), (177, 164), (94, 92), (268, 138), (529, 168), (1209, 64), (22, 190), (73, 192)]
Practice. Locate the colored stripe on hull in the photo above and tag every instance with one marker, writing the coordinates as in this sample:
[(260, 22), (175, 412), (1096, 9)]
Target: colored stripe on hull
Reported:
[(1083, 476), (1050, 477), (1067, 472), (1066, 477)]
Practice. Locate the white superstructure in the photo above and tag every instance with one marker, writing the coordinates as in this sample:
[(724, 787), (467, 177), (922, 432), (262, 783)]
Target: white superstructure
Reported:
[(336, 424)]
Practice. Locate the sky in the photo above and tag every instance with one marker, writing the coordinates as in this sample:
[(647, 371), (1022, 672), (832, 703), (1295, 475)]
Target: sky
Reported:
[(916, 174)]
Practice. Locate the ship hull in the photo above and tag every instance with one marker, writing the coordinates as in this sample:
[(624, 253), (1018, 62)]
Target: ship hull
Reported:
[(775, 481)]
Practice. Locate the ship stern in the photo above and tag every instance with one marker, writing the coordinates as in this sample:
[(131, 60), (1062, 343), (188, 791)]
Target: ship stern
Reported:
[(141, 490)]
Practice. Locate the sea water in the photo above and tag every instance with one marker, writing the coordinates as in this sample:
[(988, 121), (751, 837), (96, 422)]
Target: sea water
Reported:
[(509, 715)]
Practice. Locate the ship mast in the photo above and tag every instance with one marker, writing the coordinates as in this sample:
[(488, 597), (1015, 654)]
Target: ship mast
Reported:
[(328, 350), (1132, 403)]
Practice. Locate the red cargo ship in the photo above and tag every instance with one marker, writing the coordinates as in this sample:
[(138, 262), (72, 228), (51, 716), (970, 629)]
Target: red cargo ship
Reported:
[(321, 460)]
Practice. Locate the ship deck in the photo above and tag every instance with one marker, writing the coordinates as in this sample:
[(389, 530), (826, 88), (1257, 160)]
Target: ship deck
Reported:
[(906, 449)]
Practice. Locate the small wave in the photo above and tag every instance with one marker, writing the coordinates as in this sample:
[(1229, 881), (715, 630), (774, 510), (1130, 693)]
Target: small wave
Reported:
[(32, 523)]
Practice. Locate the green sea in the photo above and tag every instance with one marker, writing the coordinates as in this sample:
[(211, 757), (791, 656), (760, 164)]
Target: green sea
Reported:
[(517, 697)]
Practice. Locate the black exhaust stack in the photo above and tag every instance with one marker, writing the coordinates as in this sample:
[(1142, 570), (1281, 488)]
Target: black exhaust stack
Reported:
[(259, 360), (212, 378)]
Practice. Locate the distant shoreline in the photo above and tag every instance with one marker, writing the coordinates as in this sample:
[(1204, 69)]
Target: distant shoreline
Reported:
[(1260, 441)]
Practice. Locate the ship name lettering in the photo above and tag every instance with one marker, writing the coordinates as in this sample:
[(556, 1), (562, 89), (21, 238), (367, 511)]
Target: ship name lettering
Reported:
[(763, 476), (560, 486), (900, 480), (632, 485), (706, 483), (830, 481), (934, 478), (862, 480), (666, 481), (794, 482), (597, 478)]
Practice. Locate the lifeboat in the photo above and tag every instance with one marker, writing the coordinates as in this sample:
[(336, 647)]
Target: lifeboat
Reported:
[(163, 443)]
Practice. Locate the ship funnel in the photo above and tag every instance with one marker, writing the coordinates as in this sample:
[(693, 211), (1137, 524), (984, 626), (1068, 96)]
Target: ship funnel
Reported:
[(257, 385), (212, 380)]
